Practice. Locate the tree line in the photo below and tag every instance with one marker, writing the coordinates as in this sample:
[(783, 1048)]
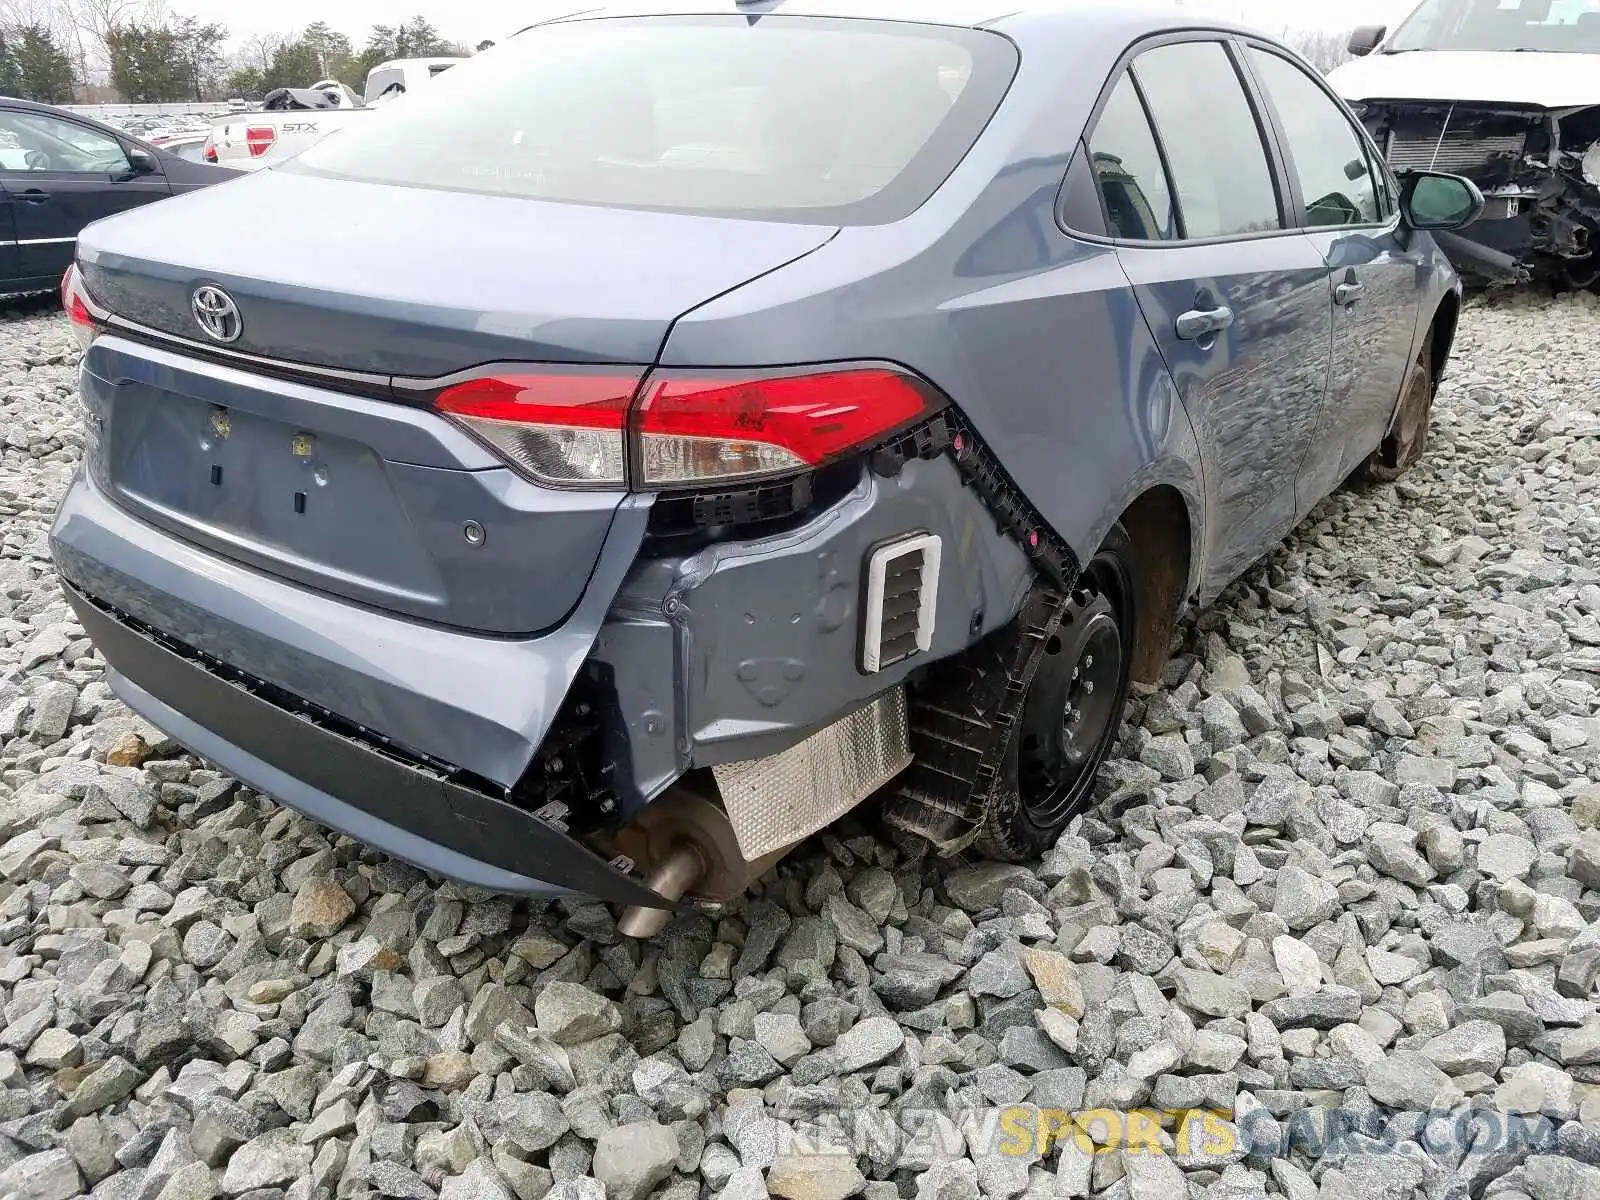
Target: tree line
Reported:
[(139, 51)]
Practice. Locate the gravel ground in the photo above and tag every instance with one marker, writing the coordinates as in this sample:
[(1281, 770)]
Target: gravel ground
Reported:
[(1342, 897)]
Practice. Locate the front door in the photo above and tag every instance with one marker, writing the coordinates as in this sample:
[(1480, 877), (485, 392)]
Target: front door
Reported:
[(10, 268), (1237, 300), (1378, 281), (59, 176)]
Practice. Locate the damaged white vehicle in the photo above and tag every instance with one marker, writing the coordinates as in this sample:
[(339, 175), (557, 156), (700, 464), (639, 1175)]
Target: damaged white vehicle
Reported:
[(1507, 93)]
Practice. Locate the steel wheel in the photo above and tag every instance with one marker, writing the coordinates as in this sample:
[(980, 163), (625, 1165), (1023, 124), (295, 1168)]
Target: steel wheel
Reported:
[(1070, 714), (1072, 711)]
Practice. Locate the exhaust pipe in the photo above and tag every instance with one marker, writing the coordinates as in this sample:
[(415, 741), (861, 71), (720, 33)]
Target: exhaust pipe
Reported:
[(679, 871), (689, 845)]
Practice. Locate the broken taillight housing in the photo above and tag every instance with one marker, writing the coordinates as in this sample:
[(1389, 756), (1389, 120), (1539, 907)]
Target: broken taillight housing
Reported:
[(75, 300), (683, 429)]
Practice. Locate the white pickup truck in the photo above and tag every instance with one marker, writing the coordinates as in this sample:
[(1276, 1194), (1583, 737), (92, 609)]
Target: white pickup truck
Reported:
[(294, 118)]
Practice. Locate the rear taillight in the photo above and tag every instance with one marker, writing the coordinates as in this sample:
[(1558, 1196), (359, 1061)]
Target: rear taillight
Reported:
[(75, 300), (705, 428), (258, 139), (682, 429), (210, 151), (565, 428)]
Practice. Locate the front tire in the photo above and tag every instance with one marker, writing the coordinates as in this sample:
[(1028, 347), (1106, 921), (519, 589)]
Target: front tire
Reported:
[(1404, 446), (1071, 713)]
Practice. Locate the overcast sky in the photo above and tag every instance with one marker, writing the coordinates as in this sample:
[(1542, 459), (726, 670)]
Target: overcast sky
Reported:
[(473, 20)]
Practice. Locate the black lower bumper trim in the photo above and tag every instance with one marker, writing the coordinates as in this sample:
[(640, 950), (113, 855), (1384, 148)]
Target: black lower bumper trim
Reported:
[(433, 822)]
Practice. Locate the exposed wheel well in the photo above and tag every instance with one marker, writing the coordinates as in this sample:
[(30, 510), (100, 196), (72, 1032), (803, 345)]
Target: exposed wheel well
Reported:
[(1158, 526), (1442, 334)]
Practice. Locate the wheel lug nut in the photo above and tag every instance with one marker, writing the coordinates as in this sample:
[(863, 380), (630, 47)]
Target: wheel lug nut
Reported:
[(1088, 689), (1088, 661)]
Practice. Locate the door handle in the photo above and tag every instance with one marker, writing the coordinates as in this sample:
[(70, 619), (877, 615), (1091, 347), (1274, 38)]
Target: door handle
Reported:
[(1348, 293), (35, 196), (1198, 324)]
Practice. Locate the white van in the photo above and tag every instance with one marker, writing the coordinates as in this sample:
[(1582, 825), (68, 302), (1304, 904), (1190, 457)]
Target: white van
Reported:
[(1506, 92)]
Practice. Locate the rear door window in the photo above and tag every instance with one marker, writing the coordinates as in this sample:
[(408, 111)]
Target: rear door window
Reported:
[(1330, 157), (832, 121), (1212, 140), (37, 142), (1128, 168)]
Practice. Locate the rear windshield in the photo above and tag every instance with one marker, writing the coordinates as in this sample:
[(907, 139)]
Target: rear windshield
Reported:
[(778, 118)]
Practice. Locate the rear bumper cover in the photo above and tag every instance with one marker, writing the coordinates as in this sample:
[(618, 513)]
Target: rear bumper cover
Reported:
[(403, 810), (482, 704), (161, 610)]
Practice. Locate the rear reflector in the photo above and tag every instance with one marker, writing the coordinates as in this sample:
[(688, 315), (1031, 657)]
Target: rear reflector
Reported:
[(575, 428), (74, 299), (258, 139), (565, 429)]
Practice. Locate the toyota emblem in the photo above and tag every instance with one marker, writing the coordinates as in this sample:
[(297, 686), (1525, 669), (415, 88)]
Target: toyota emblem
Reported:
[(217, 314)]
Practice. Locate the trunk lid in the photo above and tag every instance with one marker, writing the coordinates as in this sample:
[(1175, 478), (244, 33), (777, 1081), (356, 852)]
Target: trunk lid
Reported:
[(416, 282), (362, 497)]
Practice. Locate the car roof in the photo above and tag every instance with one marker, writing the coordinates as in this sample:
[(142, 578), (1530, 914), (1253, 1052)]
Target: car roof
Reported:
[(391, 63), (55, 111), (1098, 16)]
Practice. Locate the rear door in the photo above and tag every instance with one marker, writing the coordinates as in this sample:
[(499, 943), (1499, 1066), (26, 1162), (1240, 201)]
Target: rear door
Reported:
[(60, 176), (1351, 215), (1237, 299)]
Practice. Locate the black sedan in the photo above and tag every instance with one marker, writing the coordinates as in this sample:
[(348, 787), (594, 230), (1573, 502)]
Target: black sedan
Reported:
[(58, 172)]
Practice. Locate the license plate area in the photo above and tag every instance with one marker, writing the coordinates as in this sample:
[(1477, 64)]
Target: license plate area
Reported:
[(261, 487)]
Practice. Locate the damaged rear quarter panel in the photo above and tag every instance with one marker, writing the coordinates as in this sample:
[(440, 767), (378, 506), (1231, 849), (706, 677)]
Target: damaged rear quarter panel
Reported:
[(743, 648)]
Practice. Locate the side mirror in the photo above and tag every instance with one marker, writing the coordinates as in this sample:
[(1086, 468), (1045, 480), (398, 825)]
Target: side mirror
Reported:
[(1366, 39), (142, 162), (1434, 201)]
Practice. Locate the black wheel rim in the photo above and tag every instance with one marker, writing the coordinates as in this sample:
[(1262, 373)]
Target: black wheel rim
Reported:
[(1074, 707)]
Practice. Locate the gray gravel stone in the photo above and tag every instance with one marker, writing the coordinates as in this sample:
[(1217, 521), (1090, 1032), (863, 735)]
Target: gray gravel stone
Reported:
[(1303, 900), (1470, 1046), (632, 1159), (1405, 1080), (48, 1175), (866, 1044), (570, 1014), (275, 1159)]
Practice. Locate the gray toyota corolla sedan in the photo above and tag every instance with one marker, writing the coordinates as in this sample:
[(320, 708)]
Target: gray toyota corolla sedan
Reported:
[(681, 425)]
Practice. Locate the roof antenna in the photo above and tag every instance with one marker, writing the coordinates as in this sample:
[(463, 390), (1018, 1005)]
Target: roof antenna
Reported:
[(765, 4)]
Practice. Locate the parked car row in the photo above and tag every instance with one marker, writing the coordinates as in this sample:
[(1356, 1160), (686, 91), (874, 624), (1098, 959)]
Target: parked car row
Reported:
[(60, 172)]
